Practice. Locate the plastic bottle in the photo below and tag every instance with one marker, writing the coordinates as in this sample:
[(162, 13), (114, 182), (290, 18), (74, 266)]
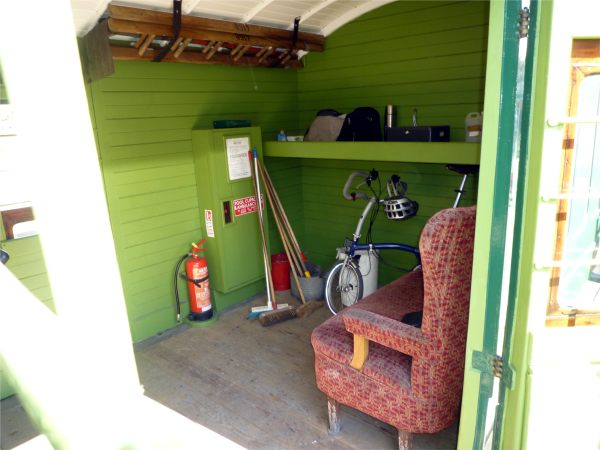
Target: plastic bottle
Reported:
[(281, 136), (473, 123)]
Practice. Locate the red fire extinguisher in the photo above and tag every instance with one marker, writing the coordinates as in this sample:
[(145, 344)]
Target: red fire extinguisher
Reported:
[(196, 275)]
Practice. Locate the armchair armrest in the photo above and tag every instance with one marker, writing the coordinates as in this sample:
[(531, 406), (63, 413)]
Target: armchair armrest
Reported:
[(387, 332)]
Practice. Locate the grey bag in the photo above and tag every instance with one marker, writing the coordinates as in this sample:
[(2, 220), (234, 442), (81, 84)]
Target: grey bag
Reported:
[(325, 128)]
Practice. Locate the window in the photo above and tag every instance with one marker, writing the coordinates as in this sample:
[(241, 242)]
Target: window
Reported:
[(575, 282)]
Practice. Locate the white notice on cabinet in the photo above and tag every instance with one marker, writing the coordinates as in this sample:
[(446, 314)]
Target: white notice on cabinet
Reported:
[(237, 158)]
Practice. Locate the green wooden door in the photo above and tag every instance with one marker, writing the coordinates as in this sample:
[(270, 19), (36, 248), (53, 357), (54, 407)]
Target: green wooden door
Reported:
[(488, 373), (544, 390), (556, 400)]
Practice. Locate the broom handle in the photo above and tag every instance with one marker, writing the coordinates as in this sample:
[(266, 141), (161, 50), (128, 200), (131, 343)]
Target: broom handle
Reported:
[(271, 301), (286, 222), (284, 239), (294, 259)]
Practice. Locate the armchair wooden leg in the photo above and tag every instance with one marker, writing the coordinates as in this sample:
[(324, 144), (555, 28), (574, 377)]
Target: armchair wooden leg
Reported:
[(335, 420), (404, 440)]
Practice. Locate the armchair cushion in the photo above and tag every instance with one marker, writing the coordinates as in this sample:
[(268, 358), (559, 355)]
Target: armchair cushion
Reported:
[(333, 340)]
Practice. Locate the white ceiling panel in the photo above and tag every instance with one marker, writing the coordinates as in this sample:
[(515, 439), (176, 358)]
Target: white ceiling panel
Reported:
[(317, 16)]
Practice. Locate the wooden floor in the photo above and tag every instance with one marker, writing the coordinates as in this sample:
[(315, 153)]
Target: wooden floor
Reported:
[(251, 384)]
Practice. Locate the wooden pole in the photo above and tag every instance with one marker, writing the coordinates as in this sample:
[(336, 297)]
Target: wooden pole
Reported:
[(284, 239), (271, 301), (147, 42), (182, 47), (294, 258), (286, 222)]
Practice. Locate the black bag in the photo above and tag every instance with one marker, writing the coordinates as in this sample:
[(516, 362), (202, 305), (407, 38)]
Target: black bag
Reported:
[(362, 124)]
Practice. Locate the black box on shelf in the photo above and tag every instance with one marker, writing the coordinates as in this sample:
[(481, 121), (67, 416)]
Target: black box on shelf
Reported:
[(438, 133)]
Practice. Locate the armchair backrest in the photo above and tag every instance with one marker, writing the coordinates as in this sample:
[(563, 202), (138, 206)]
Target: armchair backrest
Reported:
[(446, 247)]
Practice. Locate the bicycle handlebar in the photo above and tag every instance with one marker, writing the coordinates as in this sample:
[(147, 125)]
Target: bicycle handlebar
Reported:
[(355, 195)]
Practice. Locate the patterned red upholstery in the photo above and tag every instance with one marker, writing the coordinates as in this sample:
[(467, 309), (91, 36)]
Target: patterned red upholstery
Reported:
[(412, 378)]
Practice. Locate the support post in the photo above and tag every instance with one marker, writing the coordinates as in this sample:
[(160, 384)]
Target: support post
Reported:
[(404, 440), (333, 412)]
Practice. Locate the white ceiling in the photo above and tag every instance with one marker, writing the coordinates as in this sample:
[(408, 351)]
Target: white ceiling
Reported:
[(317, 16)]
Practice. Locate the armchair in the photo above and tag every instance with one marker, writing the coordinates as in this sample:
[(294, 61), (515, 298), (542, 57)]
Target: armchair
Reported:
[(407, 376)]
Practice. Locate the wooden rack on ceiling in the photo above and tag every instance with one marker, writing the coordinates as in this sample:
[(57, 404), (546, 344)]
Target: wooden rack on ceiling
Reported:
[(205, 41)]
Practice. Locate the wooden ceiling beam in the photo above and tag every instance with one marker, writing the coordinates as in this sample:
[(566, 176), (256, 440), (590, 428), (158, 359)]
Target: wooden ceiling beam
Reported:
[(237, 33), (246, 44), (132, 27)]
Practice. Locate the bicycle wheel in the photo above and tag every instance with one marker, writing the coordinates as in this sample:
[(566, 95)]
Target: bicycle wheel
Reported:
[(343, 287)]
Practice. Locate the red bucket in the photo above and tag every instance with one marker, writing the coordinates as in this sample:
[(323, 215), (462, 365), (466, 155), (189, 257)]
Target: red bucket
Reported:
[(280, 271)]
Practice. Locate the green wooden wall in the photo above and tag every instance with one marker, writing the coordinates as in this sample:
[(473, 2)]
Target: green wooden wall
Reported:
[(27, 264), (428, 55), (424, 55), (144, 115)]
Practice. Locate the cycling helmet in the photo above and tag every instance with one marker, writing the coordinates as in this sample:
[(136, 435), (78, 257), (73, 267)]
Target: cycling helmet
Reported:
[(396, 205), (400, 208)]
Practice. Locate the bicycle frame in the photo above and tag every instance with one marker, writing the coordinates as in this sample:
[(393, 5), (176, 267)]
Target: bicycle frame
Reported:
[(355, 246), (346, 282)]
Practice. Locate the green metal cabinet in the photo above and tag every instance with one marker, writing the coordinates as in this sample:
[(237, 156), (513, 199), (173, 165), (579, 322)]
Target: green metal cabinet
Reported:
[(230, 215)]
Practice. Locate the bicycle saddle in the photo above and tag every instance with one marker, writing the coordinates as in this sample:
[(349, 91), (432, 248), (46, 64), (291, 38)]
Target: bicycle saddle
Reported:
[(464, 169)]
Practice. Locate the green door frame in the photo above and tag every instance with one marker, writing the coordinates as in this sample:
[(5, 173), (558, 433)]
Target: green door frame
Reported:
[(507, 141), (507, 382)]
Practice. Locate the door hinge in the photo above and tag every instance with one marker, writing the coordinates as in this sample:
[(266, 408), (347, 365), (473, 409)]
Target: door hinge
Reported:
[(524, 19), (495, 366)]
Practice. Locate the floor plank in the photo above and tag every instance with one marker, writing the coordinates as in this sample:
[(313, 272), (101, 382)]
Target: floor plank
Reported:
[(251, 384)]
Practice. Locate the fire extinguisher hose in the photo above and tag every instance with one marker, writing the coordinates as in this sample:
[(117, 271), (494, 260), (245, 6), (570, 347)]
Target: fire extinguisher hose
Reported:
[(196, 281), (176, 287)]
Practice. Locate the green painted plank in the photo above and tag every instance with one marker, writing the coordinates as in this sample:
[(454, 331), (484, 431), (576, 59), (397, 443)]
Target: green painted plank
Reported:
[(127, 137), (156, 210), (357, 80), (214, 105), (273, 120), (161, 196), (171, 71), (434, 44), (399, 87), (382, 96), (115, 84), (454, 42), (425, 152), (404, 13), (146, 150), (27, 264), (127, 99)]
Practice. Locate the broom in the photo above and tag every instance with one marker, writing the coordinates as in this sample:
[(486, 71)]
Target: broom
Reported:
[(298, 267), (267, 312)]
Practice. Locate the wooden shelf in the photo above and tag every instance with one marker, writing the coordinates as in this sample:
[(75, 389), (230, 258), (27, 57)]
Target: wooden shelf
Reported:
[(420, 152)]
